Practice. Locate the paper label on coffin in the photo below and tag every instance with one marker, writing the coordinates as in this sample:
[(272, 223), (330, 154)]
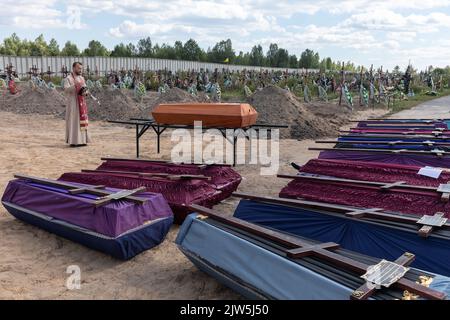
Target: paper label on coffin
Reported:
[(437, 220), (438, 152), (428, 142), (431, 172), (444, 188), (385, 273)]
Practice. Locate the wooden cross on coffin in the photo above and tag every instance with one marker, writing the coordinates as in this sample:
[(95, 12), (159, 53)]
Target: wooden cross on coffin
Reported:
[(362, 212), (438, 152), (105, 196), (368, 288), (445, 190), (83, 190), (399, 150), (387, 186), (122, 194), (428, 143), (153, 174), (431, 222)]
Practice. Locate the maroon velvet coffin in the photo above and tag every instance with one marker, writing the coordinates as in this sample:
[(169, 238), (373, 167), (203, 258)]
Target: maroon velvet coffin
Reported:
[(373, 171), (179, 193), (395, 199)]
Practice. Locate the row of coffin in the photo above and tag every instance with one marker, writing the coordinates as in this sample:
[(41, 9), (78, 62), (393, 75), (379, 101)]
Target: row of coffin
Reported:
[(124, 206), (344, 215)]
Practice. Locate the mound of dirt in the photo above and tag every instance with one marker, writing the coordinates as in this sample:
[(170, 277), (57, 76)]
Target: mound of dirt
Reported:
[(274, 106), (279, 106), (121, 104), (171, 96), (36, 101), (337, 115), (176, 95), (114, 105)]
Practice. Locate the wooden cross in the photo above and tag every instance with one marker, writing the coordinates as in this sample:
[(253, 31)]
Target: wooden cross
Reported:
[(362, 212), (391, 185), (445, 190), (176, 176), (412, 126), (154, 174), (381, 185), (310, 250), (105, 196), (430, 222), (398, 151), (122, 194), (82, 190), (199, 165), (64, 71), (367, 289), (427, 142), (437, 152)]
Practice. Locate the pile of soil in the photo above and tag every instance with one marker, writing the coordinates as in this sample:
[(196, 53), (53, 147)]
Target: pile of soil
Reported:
[(122, 105), (274, 105), (174, 95), (33, 101), (336, 115), (114, 105), (279, 106)]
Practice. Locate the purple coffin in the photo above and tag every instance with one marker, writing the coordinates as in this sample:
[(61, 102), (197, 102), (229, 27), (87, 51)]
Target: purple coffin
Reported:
[(119, 228), (112, 219), (405, 159)]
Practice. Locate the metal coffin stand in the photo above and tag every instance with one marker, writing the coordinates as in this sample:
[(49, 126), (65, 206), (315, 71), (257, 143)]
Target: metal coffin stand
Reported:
[(142, 125)]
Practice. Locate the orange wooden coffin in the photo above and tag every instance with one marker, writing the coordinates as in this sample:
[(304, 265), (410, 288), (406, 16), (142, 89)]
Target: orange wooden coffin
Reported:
[(219, 115)]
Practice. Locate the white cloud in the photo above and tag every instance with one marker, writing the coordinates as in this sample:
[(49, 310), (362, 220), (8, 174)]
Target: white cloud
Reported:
[(392, 44), (130, 29), (229, 9), (403, 36), (363, 27), (435, 54), (357, 6), (386, 20), (38, 14)]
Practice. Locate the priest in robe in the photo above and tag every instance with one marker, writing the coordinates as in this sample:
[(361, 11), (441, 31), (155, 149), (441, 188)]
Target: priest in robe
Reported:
[(76, 108)]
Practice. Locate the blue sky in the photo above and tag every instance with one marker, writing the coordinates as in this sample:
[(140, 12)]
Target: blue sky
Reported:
[(366, 32)]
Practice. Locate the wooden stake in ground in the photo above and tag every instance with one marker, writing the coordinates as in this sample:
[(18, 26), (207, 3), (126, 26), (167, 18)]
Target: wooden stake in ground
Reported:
[(342, 83)]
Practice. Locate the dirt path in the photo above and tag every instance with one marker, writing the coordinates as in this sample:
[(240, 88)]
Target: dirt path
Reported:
[(438, 108)]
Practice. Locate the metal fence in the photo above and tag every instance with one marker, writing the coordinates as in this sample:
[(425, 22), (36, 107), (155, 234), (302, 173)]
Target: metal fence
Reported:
[(103, 65)]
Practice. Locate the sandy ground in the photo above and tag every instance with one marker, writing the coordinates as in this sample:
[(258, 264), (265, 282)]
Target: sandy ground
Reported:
[(33, 262)]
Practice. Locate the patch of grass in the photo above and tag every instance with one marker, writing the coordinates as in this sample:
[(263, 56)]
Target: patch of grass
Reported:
[(233, 94), (414, 101)]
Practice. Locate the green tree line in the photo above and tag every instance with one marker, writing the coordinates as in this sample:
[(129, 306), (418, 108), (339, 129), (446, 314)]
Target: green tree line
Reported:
[(221, 52)]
